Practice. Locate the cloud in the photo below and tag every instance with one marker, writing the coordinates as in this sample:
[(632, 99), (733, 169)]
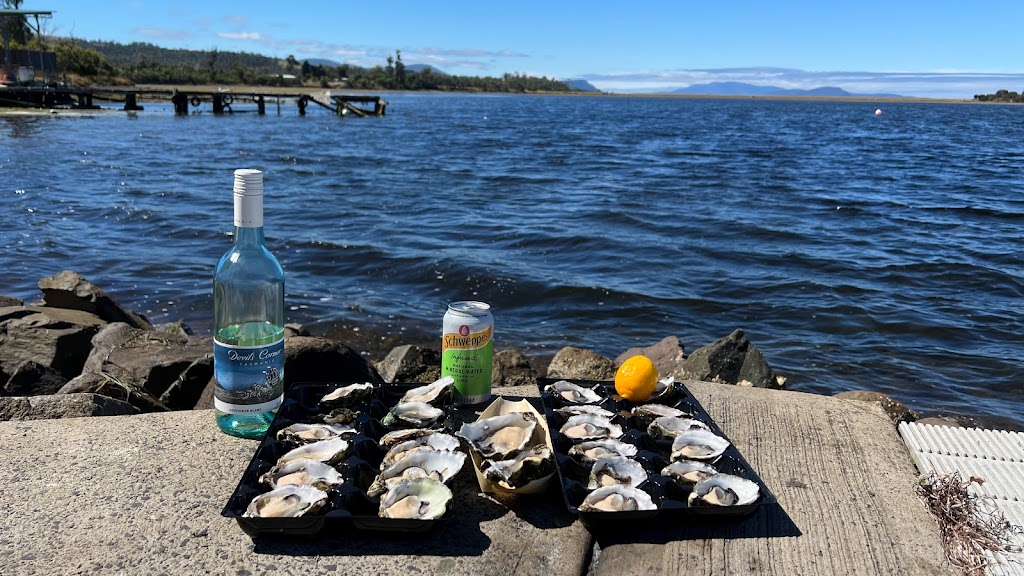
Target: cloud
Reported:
[(240, 20), (163, 33), (253, 36)]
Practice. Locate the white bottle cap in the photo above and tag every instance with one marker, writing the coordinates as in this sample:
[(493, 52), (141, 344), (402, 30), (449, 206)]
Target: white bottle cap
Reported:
[(248, 198)]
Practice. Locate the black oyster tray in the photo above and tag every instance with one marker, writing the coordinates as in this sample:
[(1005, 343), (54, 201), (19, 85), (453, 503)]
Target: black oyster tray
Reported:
[(666, 494), (349, 507)]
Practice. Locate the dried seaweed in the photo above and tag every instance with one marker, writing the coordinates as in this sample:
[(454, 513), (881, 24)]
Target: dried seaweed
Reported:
[(969, 525)]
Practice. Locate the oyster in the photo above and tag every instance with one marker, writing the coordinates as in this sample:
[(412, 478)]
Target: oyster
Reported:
[(309, 433), (612, 470), (287, 502), (698, 445), (525, 467), (499, 436), (723, 490), (573, 393), (617, 498), (437, 392), (416, 498), (590, 427), (339, 416), (304, 472), (330, 451), (574, 409), (686, 473), (663, 389), (398, 436), (665, 428), (442, 466), (647, 413), (346, 396), (589, 451), (412, 415), (436, 441)]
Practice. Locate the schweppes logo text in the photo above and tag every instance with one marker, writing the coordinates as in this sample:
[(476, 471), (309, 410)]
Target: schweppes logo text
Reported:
[(472, 340)]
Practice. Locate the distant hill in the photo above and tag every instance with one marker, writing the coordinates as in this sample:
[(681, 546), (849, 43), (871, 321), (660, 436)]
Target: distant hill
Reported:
[(744, 89), (323, 62), (581, 84), (423, 67)]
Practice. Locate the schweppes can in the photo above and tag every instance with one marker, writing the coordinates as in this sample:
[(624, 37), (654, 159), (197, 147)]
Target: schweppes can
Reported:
[(466, 350)]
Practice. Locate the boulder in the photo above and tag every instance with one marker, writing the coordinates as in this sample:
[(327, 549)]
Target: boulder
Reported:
[(512, 368), (178, 327), (6, 301), (581, 364), (62, 406), (410, 363), (292, 329), (667, 356), (70, 290), (314, 359), (730, 360), (894, 408), (34, 379), (151, 370), (53, 337)]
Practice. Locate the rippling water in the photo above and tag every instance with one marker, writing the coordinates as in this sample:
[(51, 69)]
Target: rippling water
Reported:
[(856, 251)]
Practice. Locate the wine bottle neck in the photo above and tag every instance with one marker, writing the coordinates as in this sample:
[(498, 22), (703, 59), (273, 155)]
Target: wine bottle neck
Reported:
[(249, 235)]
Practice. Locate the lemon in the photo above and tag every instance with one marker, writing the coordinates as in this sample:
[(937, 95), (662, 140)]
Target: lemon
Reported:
[(636, 378)]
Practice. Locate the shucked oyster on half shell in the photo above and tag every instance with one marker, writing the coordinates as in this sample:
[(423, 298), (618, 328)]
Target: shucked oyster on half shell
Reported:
[(663, 388), (525, 467), (330, 451), (308, 433), (346, 396), (612, 470), (573, 393), (415, 498), (574, 409), (412, 415), (723, 490), (664, 429), (647, 413), (590, 427), (304, 472), (402, 435), (287, 502), (437, 441), (591, 450), (686, 473), (698, 445), (442, 466), (434, 393), (617, 498), (498, 437)]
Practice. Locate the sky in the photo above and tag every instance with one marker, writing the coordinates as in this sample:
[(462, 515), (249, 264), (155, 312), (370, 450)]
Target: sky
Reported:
[(937, 48)]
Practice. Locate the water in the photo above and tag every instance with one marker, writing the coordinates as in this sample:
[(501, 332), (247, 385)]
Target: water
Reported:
[(856, 251)]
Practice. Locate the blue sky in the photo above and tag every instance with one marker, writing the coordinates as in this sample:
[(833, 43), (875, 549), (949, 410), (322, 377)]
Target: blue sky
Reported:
[(939, 48)]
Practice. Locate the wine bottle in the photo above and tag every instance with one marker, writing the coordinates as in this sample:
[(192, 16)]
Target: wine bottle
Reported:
[(248, 310)]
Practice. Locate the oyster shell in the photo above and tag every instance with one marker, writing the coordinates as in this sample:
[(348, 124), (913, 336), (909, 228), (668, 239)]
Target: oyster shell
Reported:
[(590, 427), (304, 472), (617, 498), (686, 473), (339, 416), (698, 445), (573, 393), (300, 433), (437, 441), (437, 392), (346, 396), (574, 409), (647, 413), (499, 436), (412, 415), (612, 470), (398, 436), (287, 502), (589, 451), (525, 467), (664, 429), (415, 498), (663, 389), (723, 490), (330, 451), (442, 466)]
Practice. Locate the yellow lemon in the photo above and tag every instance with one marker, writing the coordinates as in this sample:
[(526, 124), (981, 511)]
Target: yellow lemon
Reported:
[(636, 378)]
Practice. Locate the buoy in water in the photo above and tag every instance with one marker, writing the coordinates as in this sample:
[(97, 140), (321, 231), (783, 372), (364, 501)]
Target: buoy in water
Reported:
[(878, 111)]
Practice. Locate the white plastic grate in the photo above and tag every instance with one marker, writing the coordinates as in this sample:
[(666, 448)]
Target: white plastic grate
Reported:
[(997, 456)]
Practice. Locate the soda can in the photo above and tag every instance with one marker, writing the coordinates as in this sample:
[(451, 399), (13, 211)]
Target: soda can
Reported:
[(467, 349)]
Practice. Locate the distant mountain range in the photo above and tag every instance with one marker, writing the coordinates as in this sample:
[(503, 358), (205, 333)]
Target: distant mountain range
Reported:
[(744, 89), (581, 84)]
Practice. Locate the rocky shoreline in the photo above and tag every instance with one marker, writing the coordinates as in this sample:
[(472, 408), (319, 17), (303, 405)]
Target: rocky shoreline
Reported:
[(78, 352)]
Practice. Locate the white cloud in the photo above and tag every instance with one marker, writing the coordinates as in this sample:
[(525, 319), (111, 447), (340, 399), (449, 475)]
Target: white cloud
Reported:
[(254, 36)]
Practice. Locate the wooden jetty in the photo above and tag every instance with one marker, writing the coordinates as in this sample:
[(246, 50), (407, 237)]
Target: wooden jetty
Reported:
[(221, 101)]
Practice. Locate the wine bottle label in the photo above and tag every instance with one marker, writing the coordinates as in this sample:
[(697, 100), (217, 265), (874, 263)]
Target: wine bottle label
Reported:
[(249, 379)]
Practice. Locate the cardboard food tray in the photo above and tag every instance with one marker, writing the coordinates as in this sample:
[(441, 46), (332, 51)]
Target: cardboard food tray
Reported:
[(499, 407), (350, 507), (666, 494)]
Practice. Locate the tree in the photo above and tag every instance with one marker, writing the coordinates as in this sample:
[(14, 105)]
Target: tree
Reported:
[(292, 63), (211, 64), (15, 28), (399, 70)]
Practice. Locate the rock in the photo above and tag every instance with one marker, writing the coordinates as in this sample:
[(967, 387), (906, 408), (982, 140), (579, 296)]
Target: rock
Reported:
[(151, 370), (34, 379), (314, 359), (52, 337), (940, 421), (6, 301), (512, 368), (410, 363), (667, 356), (581, 364), (70, 290), (62, 406), (295, 329), (730, 360), (179, 327), (894, 408)]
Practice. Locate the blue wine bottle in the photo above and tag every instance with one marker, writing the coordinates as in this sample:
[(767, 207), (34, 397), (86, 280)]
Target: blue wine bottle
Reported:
[(248, 310)]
